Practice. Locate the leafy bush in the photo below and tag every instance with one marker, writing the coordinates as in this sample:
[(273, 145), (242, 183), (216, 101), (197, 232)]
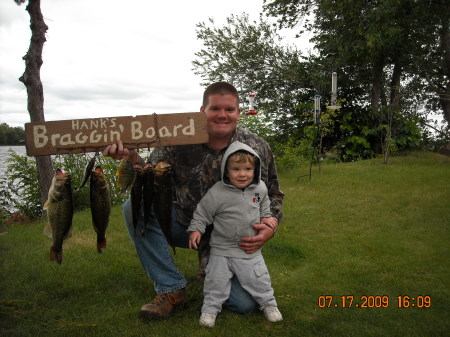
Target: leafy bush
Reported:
[(20, 189), (355, 148), (293, 154)]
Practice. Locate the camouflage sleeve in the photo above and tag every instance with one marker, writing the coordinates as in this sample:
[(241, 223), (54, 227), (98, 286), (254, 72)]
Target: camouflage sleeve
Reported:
[(273, 186), (265, 210)]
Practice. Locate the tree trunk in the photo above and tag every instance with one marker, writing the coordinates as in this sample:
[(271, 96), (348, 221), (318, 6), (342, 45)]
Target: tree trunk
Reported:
[(377, 83), (394, 101), (32, 80)]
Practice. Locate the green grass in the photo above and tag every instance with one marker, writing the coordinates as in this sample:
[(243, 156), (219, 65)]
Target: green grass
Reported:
[(357, 229)]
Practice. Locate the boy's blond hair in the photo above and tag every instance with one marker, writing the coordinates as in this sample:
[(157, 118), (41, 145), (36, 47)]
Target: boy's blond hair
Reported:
[(242, 156)]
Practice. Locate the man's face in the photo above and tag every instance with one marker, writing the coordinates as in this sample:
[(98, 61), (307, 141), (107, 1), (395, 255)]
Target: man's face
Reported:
[(222, 115)]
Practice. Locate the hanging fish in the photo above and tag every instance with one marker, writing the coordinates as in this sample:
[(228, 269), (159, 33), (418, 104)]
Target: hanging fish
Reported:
[(147, 192), (162, 199), (87, 172), (136, 195), (125, 175), (100, 198), (59, 206)]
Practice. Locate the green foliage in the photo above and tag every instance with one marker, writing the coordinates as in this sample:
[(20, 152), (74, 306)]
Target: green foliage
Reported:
[(433, 141), (21, 187), (294, 154), (408, 135), (354, 148), (259, 124)]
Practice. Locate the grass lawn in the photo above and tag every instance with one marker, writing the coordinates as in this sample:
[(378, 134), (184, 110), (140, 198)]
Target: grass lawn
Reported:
[(366, 231)]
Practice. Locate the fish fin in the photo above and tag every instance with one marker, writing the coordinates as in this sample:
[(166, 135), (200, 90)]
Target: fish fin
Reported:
[(46, 204), (88, 171), (101, 244), (48, 230), (55, 256)]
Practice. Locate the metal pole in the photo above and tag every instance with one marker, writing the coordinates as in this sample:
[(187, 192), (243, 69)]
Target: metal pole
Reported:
[(317, 107), (333, 88)]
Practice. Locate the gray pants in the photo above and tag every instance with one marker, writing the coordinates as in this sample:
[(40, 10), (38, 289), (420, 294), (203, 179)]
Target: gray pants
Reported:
[(252, 275)]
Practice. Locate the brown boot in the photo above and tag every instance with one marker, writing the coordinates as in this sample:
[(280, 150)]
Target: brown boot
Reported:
[(164, 305)]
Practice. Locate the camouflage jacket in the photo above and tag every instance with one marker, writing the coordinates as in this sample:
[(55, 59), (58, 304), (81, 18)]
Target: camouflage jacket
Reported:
[(197, 167)]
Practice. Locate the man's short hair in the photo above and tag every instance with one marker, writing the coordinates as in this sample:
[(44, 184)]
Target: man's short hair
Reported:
[(220, 88)]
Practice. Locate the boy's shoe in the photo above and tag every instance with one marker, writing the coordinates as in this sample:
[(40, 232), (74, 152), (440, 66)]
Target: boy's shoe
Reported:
[(164, 305), (272, 313), (208, 320)]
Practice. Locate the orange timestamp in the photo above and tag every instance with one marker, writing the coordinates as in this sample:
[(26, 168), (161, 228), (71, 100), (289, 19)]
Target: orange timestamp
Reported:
[(373, 301)]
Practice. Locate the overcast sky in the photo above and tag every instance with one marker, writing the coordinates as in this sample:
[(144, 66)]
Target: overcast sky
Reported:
[(109, 57)]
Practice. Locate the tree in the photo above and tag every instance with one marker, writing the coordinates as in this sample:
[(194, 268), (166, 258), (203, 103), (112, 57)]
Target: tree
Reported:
[(11, 136), (250, 55), (32, 81), (396, 52), (406, 40)]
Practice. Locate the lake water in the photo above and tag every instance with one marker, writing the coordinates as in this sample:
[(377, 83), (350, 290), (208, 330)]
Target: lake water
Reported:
[(4, 154)]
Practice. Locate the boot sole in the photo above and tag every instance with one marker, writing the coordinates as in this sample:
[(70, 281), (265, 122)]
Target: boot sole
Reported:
[(152, 316)]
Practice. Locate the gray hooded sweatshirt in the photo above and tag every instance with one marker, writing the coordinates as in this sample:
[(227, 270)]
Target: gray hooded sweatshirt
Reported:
[(232, 210)]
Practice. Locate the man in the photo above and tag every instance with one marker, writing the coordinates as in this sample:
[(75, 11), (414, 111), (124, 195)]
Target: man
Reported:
[(195, 169)]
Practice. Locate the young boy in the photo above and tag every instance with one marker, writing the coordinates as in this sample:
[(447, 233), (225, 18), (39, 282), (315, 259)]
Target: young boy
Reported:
[(233, 205)]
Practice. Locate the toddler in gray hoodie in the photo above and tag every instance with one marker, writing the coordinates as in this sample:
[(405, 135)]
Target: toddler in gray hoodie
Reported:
[(233, 205)]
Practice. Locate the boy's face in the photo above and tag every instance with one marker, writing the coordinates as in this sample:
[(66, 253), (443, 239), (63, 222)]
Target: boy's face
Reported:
[(240, 174)]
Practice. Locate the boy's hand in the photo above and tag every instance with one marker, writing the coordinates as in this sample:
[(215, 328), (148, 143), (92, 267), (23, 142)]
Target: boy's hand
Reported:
[(194, 239)]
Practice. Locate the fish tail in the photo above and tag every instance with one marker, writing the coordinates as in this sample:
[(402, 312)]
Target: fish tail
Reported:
[(55, 255), (101, 243)]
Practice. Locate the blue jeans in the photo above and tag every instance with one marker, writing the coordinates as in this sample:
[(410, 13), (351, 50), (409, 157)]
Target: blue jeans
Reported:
[(154, 254)]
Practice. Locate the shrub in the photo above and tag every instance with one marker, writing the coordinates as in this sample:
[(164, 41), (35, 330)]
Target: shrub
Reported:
[(293, 154)]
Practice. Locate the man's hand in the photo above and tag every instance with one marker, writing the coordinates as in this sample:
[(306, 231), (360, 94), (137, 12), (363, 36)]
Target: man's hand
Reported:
[(117, 151), (251, 244)]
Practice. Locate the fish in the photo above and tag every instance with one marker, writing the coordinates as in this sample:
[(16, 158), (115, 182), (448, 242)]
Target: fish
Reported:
[(147, 192), (100, 198), (125, 175), (136, 195), (87, 172), (60, 208), (162, 198), (48, 231)]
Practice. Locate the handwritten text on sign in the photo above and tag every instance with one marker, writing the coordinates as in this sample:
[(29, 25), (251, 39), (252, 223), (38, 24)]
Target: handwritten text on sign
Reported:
[(91, 135)]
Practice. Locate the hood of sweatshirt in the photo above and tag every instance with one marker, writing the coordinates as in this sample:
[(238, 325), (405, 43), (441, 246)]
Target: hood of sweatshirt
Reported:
[(234, 147)]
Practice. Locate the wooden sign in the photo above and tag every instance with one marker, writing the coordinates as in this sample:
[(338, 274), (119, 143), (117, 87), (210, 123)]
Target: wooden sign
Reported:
[(94, 134)]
